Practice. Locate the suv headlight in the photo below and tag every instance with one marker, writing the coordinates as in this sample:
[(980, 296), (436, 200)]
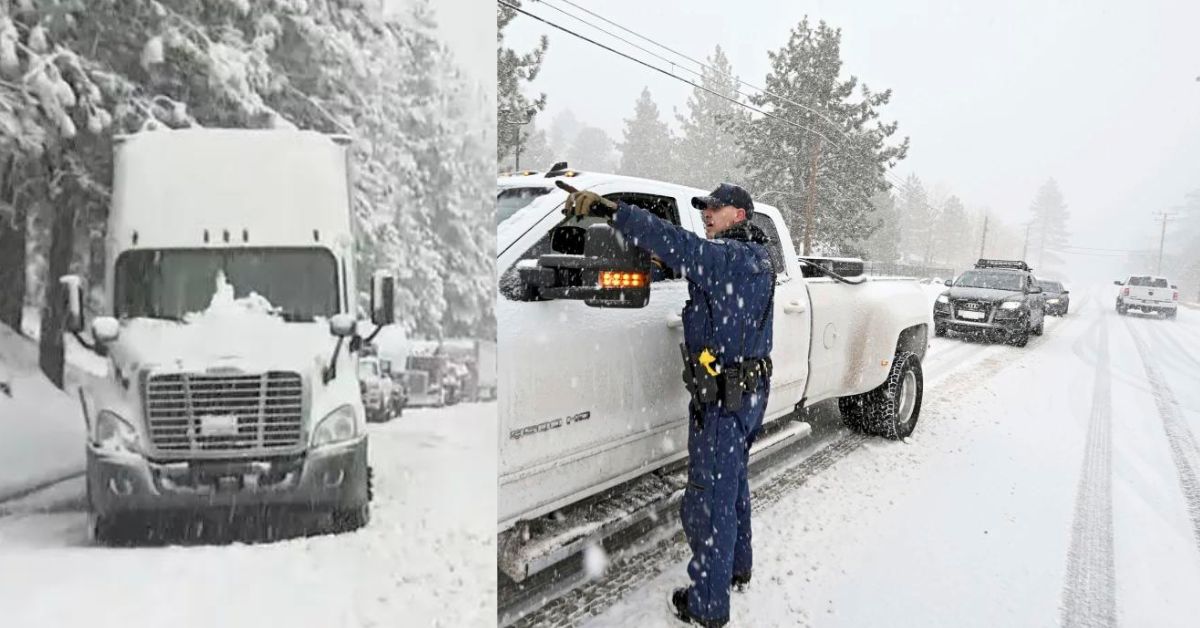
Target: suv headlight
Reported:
[(337, 426), (116, 434), (943, 299), (1011, 305)]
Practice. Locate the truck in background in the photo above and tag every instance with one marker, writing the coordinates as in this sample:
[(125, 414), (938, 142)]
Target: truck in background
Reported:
[(230, 331)]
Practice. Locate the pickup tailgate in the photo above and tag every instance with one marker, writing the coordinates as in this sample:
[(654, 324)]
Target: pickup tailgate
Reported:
[(1150, 293)]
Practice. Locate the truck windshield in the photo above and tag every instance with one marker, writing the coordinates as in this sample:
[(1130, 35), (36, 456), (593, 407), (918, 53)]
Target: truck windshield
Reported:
[(512, 199), (993, 279), (301, 283)]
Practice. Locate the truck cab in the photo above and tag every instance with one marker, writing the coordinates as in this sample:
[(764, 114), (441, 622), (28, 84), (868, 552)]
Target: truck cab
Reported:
[(230, 335), (591, 396)]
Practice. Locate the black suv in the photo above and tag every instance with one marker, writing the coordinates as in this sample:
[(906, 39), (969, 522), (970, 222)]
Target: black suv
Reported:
[(1058, 298), (999, 298)]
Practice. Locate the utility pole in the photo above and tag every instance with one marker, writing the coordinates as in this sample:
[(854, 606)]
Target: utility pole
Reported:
[(810, 209), (983, 242), (1162, 239), (1025, 251), (529, 113)]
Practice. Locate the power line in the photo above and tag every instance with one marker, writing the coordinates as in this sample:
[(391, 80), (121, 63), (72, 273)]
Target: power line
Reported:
[(886, 174)]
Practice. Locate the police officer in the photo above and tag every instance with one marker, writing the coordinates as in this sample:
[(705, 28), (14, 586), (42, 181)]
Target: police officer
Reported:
[(727, 345)]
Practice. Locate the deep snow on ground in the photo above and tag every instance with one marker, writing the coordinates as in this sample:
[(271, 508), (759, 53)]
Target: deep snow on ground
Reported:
[(970, 521), (426, 559), (41, 427)]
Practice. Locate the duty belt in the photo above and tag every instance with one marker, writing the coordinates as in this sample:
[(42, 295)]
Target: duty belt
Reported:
[(727, 385)]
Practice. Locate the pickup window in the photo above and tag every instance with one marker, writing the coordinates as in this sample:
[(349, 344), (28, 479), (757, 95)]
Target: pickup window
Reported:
[(1148, 282), (774, 247), (662, 206)]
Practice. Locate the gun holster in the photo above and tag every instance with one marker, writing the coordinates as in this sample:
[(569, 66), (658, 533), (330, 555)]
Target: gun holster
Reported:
[(728, 386)]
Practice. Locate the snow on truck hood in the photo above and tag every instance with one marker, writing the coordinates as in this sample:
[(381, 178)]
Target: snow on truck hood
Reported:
[(240, 334)]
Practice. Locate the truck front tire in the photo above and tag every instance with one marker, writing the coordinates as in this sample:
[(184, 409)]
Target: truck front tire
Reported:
[(892, 409)]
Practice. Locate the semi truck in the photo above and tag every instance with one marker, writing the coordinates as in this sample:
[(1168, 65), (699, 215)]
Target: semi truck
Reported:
[(590, 396), (229, 331)]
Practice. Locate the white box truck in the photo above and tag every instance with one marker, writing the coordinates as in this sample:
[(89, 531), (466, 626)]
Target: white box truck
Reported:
[(230, 331)]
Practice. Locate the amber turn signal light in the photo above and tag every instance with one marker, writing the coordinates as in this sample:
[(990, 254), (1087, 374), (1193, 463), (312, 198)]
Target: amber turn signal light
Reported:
[(618, 279)]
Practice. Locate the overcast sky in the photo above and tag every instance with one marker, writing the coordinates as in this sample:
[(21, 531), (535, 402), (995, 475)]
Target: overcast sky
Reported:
[(468, 28), (996, 96)]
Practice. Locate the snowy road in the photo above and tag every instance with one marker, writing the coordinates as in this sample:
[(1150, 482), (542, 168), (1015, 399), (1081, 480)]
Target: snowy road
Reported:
[(428, 555), (1050, 485)]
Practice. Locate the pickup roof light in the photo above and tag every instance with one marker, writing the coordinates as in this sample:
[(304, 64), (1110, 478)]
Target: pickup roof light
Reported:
[(619, 279)]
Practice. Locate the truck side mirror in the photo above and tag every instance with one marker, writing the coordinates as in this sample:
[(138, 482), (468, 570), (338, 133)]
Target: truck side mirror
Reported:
[(383, 298), (105, 329), (73, 291), (949, 283), (1118, 283), (341, 325), (606, 271)]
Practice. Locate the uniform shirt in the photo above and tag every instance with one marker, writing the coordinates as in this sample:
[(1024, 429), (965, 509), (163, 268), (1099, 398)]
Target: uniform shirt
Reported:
[(730, 282)]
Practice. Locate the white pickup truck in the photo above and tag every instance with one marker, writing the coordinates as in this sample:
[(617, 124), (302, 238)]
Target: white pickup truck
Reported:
[(592, 397), (1148, 294)]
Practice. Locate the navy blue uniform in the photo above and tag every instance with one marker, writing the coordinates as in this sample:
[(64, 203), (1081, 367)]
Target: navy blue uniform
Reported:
[(730, 288)]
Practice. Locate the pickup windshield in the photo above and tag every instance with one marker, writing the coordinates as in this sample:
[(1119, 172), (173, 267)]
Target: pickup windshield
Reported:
[(301, 283), (993, 279), (512, 199)]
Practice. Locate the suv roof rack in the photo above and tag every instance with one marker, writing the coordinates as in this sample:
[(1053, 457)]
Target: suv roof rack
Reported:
[(1003, 263)]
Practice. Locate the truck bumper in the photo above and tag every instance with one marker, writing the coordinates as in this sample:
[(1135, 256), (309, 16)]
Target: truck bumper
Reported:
[(1148, 306), (997, 324), (327, 479)]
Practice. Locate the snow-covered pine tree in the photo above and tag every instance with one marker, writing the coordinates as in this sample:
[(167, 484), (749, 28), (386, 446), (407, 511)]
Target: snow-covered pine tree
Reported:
[(1049, 231), (514, 72), (708, 152), (647, 149), (592, 149), (839, 133)]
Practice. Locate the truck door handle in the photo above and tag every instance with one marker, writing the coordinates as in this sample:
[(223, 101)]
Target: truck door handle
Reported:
[(795, 307), (674, 321)]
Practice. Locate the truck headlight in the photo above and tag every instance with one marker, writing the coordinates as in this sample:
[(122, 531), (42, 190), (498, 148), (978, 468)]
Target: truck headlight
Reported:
[(1011, 305), (337, 426), (116, 434), (943, 299)]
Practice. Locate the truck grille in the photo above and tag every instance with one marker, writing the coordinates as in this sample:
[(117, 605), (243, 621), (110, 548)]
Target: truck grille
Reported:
[(417, 382), (225, 414)]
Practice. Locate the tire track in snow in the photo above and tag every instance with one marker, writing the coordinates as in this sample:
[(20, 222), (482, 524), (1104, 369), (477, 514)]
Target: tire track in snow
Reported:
[(1184, 451), (1089, 591)]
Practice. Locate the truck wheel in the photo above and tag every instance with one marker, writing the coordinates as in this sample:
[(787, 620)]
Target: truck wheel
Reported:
[(1121, 309), (1019, 338), (1037, 331), (351, 519), (892, 409), (110, 530), (1170, 314)]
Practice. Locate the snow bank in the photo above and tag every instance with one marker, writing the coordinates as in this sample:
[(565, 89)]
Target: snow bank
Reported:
[(41, 427)]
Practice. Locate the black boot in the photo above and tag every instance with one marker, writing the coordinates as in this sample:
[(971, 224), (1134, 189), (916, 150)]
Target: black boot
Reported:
[(679, 608), (740, 581)]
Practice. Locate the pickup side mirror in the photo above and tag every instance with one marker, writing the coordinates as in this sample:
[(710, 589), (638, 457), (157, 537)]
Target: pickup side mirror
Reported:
[(949, 283), (596, 265), (73, 293), (1118, 283), (1174, 287), (105, 329), (1066, 291), (383, 298)]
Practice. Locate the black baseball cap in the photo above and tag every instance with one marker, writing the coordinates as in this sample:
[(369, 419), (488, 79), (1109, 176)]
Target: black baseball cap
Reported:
[(726, 194)]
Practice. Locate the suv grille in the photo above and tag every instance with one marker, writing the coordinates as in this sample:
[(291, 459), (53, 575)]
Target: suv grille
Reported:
[(225, 414)]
